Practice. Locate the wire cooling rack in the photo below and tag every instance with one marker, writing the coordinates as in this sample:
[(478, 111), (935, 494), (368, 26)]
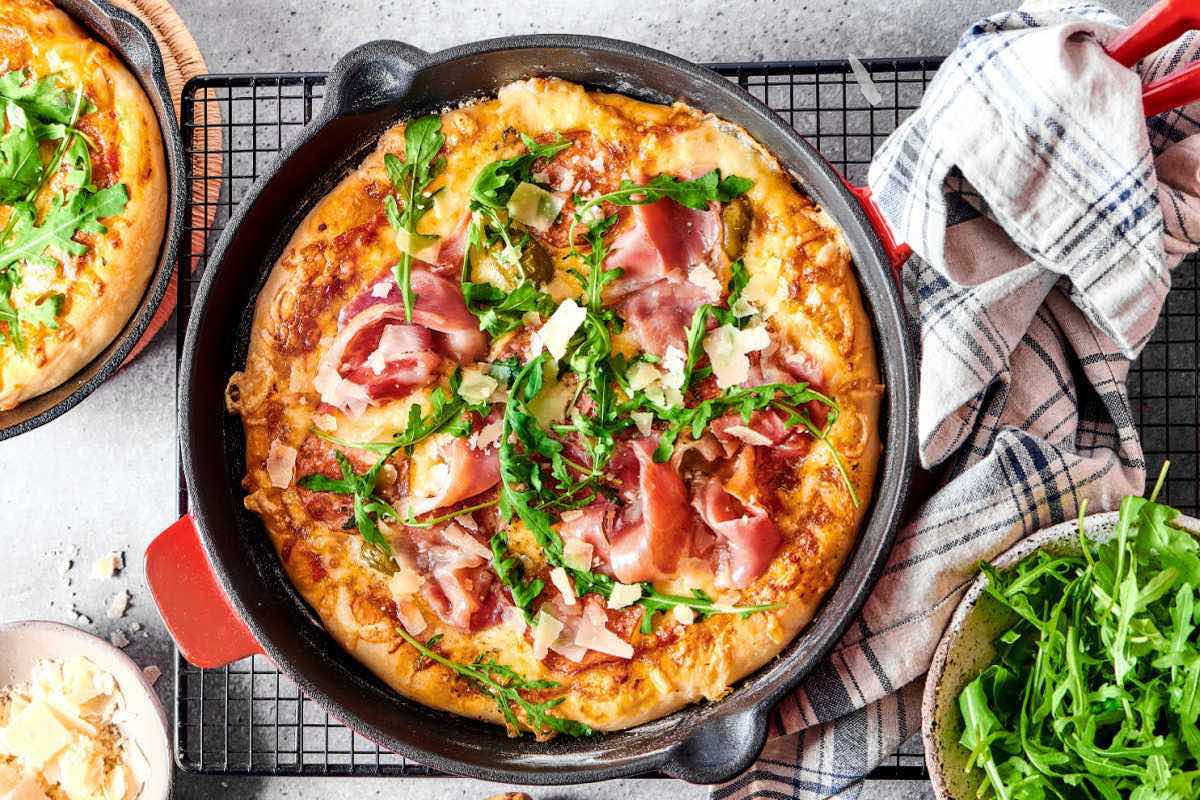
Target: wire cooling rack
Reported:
[(247, 718)]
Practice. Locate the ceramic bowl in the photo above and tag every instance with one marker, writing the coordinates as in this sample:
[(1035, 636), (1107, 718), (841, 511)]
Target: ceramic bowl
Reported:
[(22, 644), (968, 646)]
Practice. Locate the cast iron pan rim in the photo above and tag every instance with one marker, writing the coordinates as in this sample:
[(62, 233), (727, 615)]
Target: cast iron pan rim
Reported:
[(755, 694), (156, 87)]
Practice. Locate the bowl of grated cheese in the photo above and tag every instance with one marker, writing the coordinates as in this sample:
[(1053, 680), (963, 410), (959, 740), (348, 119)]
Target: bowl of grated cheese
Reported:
[(78, 719)]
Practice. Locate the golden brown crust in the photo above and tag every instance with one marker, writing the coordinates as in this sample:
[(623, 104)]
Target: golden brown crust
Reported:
[(800, 275), (112, 277)]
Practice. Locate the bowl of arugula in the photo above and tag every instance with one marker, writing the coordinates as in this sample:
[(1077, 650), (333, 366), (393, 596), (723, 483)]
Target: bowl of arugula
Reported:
[(1071, 668)]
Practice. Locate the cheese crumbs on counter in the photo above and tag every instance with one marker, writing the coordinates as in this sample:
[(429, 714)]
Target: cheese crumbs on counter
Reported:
[(59, 737)]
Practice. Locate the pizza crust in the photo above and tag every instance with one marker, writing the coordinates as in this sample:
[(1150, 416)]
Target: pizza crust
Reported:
[(800, 271), (113, 275)]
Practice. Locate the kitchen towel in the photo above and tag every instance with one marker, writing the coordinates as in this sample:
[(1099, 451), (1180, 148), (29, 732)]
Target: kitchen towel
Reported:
[(1046, 215)]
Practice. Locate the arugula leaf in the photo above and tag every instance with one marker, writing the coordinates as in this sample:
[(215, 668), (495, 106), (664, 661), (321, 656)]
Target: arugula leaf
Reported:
[(367, 505), (411, 178), (41, 99), (1093, 691), (82, 211), (44, 312), (511, 573), (500, 312), (20, 159), (504, 685), (498, 180)]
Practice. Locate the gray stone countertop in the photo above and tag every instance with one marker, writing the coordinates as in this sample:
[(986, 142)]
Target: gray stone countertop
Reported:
[(103, 476)]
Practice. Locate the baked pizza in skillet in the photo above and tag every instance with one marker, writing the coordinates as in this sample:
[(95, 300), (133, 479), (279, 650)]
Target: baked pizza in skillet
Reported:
[(82, 197), (562, 409)]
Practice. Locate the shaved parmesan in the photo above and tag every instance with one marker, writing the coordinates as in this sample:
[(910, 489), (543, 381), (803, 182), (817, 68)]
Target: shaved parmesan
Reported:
[(705, 278), (281, 464), (533, 206), (569, 650), (118, 605), (411, 617), (477, 387), (405, 582), (727, 349), (455, 535), (348, 396), (559, 329), (598, 637), (642, 375), (325, 422), (571, 514), (545, 633), (415, 244), (577, 554), (624, 594), (512, 618), (748, 435), (684, 615), (550, 404), (558, 576), (489, 434), (381, 289), (643, 420)]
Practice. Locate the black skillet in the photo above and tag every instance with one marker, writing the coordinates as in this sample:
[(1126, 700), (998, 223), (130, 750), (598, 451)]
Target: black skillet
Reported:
[(370, 89), (131, 40)]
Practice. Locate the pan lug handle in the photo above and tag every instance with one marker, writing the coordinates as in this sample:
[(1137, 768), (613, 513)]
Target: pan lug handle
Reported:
[(721, 749), (133, 39), (372, 75), (196, 611)]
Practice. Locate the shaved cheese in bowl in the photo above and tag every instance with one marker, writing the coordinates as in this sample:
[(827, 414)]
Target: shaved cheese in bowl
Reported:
[(61, 733)]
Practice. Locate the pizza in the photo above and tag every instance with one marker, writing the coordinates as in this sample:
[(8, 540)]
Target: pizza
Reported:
[(83, 197), (561, 410)]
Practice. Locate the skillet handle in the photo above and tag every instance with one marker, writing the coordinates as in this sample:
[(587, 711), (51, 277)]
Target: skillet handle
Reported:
[(197, 612), (897, 252), (721, 749), (372, 75)]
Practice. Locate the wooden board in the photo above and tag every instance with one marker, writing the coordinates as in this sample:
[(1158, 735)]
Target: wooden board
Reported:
[(183, 61)]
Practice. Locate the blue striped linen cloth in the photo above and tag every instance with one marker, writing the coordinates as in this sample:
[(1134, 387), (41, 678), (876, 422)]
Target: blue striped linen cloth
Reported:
[(1046, 214)]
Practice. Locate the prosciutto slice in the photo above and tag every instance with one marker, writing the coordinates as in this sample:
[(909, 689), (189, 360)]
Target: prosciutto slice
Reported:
[(747, 538), (649, 547), (459, 589), (593, 525), (656, 317), (662, 239), (470, 471), (438, 306)]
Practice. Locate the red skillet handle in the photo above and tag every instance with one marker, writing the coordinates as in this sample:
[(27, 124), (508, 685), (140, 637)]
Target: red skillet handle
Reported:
[(897, 252), (197, 612), (1163, 22)]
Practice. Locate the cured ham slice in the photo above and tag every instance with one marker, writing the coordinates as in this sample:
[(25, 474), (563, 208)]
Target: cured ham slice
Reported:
[(380, 355), (438, 306), (656, 317), (747, 538), (650, 547), (456, 563), (662, 239), (469, 471), (592, 525)]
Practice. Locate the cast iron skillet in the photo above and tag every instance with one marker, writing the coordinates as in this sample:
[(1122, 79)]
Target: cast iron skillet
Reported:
[(129, 38), (370, 89)]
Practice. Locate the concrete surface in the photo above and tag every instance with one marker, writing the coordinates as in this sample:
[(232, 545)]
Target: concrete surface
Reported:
[(103, 476)]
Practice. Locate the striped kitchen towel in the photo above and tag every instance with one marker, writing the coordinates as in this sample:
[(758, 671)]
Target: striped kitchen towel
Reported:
[(1046, 214)]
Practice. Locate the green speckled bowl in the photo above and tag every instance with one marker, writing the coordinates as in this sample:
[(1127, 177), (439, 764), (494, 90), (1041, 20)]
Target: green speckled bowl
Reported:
[(968, 646)]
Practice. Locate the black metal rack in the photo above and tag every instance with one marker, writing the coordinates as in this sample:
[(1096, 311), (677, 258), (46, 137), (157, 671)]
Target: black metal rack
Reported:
[(249, 719)]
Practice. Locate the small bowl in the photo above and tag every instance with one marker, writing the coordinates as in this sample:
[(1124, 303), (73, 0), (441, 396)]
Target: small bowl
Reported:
[(968, 646), (22, 644)]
